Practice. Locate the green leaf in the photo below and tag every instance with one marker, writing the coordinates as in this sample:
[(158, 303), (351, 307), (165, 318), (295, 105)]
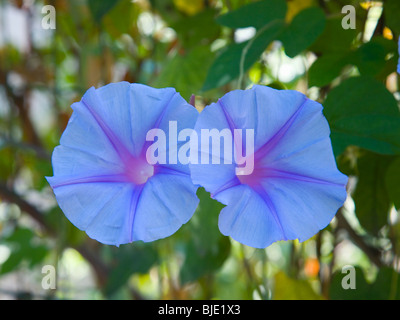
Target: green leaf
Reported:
[(302, 32), (201, 28), (202, 262), (24, 249), (120, 18), (386, 286), (362, 112), (227, 65), (391, 9), (393, 182), (12, 262), (129, 259), (370, 58), (334, 38), (166, 9), (7, 162), (277, 85), (186, 73), (256, 14), (326, 68), (371, 196), (100, 8), (206, 248), (293, 289)]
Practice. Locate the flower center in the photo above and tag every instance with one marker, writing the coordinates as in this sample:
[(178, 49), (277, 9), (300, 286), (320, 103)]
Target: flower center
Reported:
[(249, 179), (257, 173), (139, 171)]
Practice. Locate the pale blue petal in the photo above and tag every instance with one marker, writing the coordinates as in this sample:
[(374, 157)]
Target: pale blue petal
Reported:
[(261, 108), (247, 218), (148, 108), (71, 162), (82, 203), (167, 202), (112, 223), (185, 116), (301, 177), (112, 105), (303, 147), (304, 206), (212, 176), (84, 134), (129, 111)]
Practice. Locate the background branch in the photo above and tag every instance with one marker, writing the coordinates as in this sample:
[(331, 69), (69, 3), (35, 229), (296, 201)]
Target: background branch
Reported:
[(373, 254)]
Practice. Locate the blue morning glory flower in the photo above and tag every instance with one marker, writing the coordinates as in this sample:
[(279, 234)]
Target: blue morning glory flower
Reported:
[(103, 181), (289, 187)]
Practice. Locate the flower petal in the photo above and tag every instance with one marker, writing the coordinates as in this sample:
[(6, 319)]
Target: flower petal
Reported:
[(84, 134), (71, 162), (304, 206), (178, 116), (85, 204), (212, 176), (166, 203), (304, 148), (129, 111), (248, 218), (261, 108)]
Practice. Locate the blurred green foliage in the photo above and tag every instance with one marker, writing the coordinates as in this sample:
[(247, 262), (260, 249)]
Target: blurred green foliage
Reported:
[(206, 48)]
